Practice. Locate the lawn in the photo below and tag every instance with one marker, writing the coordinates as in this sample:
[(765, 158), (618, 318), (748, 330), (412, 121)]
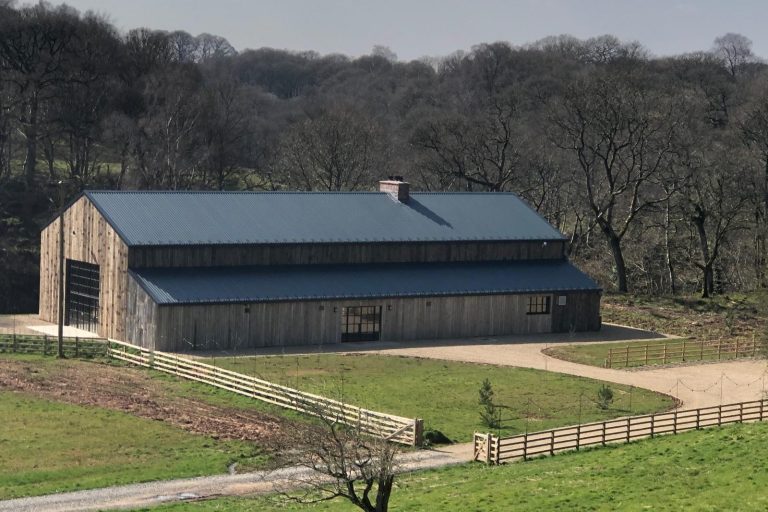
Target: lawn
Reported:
[(710, 470), (445, 393), (48, 446)]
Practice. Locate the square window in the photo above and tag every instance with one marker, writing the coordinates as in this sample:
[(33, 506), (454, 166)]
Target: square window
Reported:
[(539, 304)]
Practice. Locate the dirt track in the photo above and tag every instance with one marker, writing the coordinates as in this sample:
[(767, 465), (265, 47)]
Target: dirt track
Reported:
[(136, 392)]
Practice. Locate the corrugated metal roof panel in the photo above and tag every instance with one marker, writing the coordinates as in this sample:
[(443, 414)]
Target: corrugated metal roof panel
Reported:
[(197, 218), (316, 282)]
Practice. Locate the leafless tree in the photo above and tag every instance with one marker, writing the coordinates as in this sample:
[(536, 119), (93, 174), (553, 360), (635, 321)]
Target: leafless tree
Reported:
[(331, 460), (621, 135), (734, 50)]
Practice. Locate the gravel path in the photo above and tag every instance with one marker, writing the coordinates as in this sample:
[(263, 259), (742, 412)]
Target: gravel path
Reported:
[(155, 493)]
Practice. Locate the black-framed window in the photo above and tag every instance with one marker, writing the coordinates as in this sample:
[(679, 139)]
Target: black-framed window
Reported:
[(539, 304), (82, 304), (360, 323)]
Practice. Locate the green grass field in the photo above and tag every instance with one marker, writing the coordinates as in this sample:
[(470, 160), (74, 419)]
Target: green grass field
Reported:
[(48, 447), (711, 470), (445, 393)]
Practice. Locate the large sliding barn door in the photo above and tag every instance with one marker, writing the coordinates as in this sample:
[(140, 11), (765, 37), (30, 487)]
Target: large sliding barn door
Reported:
[(82, 306)]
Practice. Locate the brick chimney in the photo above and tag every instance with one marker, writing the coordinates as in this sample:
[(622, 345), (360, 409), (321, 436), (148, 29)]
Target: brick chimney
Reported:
[(396, 187)]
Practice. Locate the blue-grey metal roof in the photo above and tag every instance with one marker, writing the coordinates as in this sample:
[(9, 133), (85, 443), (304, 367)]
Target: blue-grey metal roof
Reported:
[(204, 218), (316, 282)]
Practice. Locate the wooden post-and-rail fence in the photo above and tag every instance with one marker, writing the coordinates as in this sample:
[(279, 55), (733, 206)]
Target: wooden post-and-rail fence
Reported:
[(45, 345), (497, 450), (398, 429), (637, 354)]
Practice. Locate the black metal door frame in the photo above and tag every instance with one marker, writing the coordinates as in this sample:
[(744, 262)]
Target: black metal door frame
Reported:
[(82, 295), (361, 323)]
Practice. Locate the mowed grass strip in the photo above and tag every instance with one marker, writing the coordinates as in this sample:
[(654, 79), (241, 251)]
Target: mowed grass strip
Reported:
[(710, 470), (596, 354), (445, 393), (48, 447)]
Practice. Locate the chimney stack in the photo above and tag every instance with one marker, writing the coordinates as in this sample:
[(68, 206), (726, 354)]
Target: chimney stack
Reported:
[(396, 187)]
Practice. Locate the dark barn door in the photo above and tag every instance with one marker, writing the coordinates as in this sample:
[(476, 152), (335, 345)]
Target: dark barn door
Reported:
[(82, 306), (361, 323)]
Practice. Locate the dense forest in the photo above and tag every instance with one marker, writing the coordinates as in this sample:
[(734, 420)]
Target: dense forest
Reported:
[(655, 168)]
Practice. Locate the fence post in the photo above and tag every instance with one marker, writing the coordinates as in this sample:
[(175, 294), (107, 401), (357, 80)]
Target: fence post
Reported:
[(551, 442), (653, 425), (626, 362), (762, 401), (629, 429), (497, 449), (45, 345), (609, 361), (754, 345), (674, 424), (701, 350), (603, 433), (665, 354), (525, 446), (418, 432), (488, 448), (683, 350), (719, 349), (737, 348), (578, 436), (698, 419), (77, 346), (741, 412), (719, 415), (14, 343)]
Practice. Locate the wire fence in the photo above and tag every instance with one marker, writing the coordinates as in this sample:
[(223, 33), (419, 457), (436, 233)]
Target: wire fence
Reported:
[(47, 345)]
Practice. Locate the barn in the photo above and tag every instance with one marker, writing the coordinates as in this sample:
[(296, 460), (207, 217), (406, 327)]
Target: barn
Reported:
[(181, 271)]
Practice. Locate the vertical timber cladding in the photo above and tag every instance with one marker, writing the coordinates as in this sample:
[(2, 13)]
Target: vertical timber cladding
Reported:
[(89, 238), (234, 326), (319, 253), (581, 311)]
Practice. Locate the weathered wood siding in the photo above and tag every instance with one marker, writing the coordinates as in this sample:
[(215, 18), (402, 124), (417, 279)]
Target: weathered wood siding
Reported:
[(141, 317), (224, 326), (290, 254), (87, 237), (580, 313)]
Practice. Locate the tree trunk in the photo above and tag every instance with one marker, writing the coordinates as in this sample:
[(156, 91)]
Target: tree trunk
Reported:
[(668, 248), (618, 259), (708, 284), (383, 493), (30, 163)]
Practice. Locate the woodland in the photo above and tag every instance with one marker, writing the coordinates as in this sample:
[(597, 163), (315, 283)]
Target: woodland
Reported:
[(655, 168)]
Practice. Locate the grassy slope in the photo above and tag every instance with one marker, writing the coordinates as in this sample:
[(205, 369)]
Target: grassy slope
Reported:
[(739, 316), (712, 470), (48, 447), (445, 393)]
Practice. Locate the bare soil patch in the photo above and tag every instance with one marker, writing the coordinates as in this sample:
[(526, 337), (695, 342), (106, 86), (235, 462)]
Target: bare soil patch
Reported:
[(135, 392)]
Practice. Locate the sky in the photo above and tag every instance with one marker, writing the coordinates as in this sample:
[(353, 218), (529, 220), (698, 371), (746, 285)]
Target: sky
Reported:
[(417, 28)]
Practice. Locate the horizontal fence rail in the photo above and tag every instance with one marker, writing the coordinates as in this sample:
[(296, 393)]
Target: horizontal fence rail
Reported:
[(679, 351), (394, 428), (497, 450), (47, 345)]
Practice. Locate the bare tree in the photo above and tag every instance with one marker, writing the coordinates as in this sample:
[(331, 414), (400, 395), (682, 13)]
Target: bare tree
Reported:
[(337, 149), (734, 50), (337, 461), (621, 135)]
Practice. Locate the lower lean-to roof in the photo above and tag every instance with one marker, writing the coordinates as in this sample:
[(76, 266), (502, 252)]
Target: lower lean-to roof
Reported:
[(213, 285)]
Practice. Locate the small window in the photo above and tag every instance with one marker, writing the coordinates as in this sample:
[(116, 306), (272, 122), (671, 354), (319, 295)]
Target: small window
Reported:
[(538, 304)]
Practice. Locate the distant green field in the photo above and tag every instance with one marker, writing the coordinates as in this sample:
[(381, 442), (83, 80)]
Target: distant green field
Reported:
[(445, 393), (710, 470), (48, 447)]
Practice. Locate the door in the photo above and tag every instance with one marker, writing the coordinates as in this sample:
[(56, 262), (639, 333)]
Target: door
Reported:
[(361, 323), (82, 304)]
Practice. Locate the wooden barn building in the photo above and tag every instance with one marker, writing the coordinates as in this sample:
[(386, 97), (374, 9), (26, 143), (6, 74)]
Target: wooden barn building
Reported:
[(181, 271)]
